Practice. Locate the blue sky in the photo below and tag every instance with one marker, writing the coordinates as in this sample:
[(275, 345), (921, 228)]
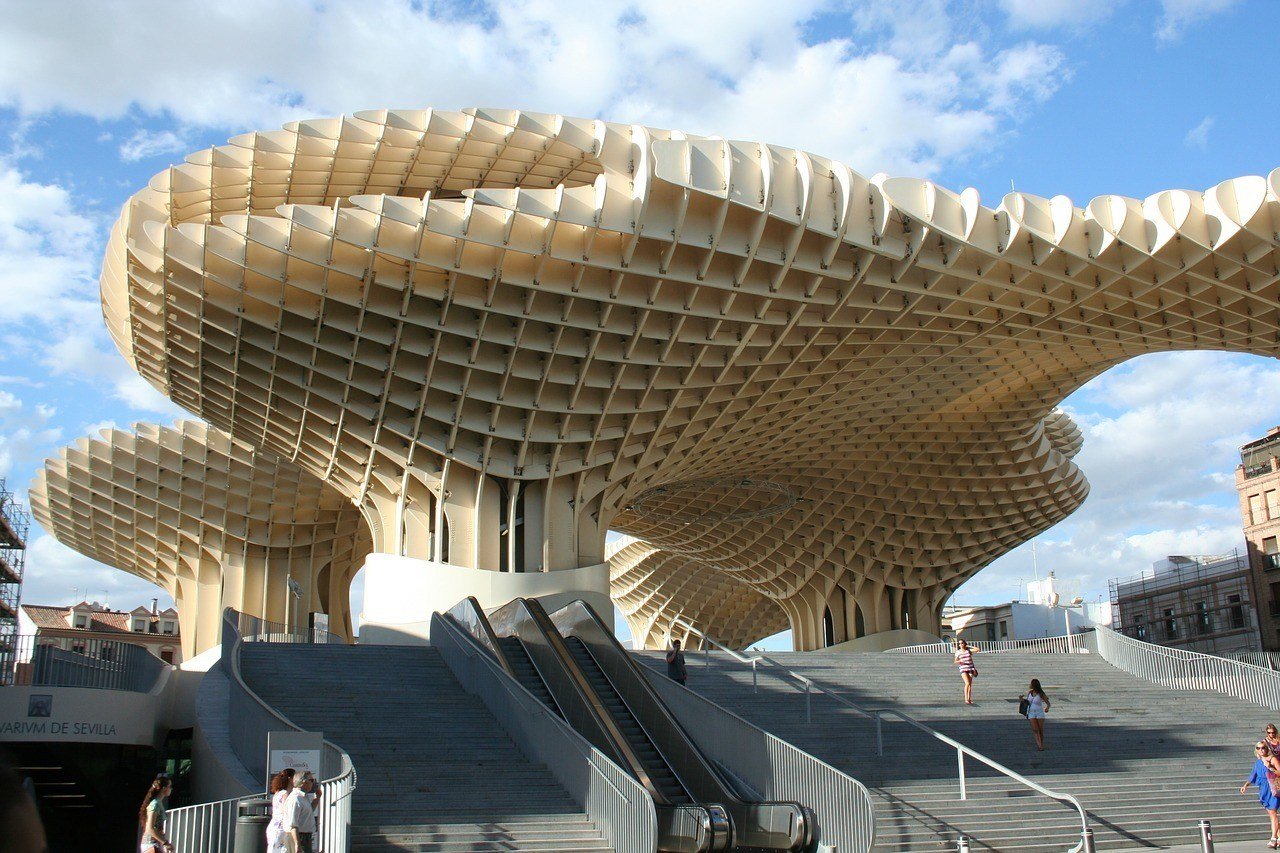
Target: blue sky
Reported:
[(1074, 97)]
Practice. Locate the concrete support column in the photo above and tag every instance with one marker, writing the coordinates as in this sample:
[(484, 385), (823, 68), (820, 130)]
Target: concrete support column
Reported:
[(419, 506), (535, 498)]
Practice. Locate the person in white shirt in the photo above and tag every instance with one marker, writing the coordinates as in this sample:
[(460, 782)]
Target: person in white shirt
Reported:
[(299, 814)]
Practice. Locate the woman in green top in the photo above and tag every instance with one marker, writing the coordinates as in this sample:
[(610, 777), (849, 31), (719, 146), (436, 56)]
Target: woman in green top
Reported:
[(151, 816)]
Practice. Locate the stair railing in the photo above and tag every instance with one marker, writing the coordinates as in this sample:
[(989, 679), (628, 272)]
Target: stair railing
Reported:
[(1180, 669), (1063, 644), (878, 715), (210, 827)]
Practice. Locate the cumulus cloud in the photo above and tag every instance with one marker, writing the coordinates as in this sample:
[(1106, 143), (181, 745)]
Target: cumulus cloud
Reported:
[(1162, 439), (47, 250), (1198, 136), (144, 144), (1046, 14), (1177, 15), (892, 93)]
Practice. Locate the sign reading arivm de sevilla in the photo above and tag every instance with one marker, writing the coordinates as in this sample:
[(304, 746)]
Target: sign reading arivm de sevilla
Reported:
[(299, 750)]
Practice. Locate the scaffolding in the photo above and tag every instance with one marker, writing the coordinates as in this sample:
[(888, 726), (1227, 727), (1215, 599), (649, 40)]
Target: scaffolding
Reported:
[(1203, 604), (15, 521)]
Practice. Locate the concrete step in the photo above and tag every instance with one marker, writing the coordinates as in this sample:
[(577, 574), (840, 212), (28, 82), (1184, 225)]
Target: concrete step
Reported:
[(1146, 761)]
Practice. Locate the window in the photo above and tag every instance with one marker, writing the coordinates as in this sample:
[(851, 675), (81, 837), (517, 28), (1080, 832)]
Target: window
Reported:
[(1237, 612), (1139, 629), (1204, 624), (166, 655), (1004, 629), (168, 627), (139, 625), (153, 627), (1273, 507), (82, 621), (1170, 625), (107, 652), (991, 631), (1255, 509), (77, 647)]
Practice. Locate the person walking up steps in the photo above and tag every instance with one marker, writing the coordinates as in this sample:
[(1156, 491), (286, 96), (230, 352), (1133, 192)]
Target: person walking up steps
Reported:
[(964, 660), (1264, 776), (676, 669), (1037, 707)]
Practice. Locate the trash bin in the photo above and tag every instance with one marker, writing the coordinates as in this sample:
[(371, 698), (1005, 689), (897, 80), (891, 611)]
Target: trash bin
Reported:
[(251, 826)]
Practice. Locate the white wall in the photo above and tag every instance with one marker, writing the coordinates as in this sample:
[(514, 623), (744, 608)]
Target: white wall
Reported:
[(401, 593), (1031, 621)]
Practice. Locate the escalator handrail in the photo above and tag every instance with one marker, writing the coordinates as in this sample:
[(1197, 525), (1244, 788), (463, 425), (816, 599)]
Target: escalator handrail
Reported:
[(471, 618), (618, 744), (725, 792)]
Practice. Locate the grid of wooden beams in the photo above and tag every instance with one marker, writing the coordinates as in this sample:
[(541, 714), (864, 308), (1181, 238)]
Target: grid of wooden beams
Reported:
[(210, 519), (606, 309)]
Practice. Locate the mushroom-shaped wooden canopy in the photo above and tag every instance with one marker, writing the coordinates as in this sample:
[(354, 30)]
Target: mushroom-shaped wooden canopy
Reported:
[(502, 333), (211, 520)]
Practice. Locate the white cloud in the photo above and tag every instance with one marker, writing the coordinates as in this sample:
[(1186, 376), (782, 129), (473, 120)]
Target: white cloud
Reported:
[(25, 431), (1177, 15), (1047, 14), (893, 95), (1198, 136), (48, 250), (151, 143), (1162, 439)]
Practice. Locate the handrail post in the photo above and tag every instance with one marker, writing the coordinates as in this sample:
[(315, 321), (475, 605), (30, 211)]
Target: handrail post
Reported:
[(706, 655), (755, 686), (808, 702), (879, 735), (964, 791), (1086, 841), (962, 844)]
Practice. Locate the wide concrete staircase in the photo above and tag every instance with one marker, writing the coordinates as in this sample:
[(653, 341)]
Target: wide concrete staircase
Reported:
[(1146, 762), (435, 771)]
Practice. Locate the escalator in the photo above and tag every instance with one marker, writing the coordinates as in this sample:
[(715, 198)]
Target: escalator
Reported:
[(520, 666), (660, 773), (573, 660)]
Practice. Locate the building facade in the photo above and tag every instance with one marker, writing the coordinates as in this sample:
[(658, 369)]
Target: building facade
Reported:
[(82, 628), (1203, 604), (1258, 484)]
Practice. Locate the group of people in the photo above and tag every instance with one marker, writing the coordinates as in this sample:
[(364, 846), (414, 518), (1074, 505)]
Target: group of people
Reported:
[(1034, 704), (293, 813), (1266, 775)]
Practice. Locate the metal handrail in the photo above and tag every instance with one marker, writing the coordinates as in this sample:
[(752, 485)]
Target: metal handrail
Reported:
[(210, 827), (1180, 669), (878, 714), (1061, 644)]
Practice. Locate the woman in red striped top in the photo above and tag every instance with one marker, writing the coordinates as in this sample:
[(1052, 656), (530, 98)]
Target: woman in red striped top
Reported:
[(964, 661)]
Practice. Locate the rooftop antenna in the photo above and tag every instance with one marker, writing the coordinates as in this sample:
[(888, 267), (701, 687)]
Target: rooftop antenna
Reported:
[(1035, 567)]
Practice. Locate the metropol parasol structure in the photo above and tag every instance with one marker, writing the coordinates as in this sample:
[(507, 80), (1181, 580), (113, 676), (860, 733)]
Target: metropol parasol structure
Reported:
[(476, 342)]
